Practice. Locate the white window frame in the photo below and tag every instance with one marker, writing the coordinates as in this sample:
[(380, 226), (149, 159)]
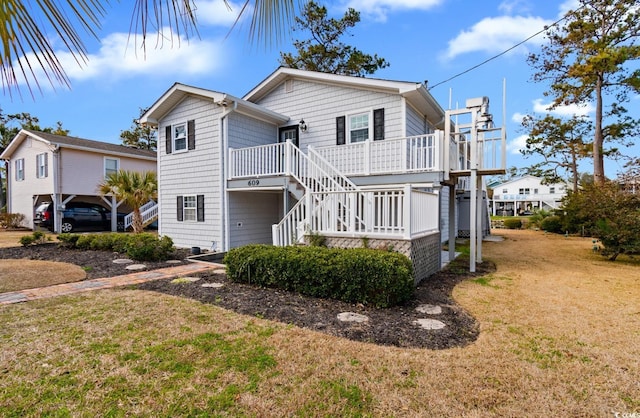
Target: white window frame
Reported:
[(350, 130), (107, 172), (190, 213), (183, 137), (20, 169), (41, 164)]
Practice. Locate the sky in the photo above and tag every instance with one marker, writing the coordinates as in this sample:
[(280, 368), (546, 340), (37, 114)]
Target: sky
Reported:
[(423, 40)]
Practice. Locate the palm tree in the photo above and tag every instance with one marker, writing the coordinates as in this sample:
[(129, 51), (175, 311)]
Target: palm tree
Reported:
[(132, 188), (25, 42)]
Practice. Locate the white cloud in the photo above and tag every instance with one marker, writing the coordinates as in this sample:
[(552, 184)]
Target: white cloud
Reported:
[(495, 34), (217, 13), (118, 58), (578, 109), (380, 8), (568, 5), (514, 6), (518, 117), (515, 145)]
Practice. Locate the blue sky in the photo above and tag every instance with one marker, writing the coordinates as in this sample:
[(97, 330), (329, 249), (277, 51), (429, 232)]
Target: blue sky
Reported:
[(422, 39)]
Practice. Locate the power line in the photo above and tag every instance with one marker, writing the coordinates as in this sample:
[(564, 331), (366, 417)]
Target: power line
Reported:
[(503, 52)]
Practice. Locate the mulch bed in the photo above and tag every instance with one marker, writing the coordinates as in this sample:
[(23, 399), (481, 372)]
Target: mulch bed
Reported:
[(392, 326)]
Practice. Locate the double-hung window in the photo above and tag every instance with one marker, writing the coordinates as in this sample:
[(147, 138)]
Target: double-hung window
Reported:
[(180, 137), (189, 208), (20, 169), (359, 127), (41, 165), (111, 166)]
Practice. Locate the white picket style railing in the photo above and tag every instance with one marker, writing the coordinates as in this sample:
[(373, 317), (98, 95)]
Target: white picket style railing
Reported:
[(148, 212)]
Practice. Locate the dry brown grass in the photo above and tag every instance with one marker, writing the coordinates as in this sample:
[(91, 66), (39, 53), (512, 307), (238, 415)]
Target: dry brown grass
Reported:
[(29, 274), (12, 238), (560, 337)]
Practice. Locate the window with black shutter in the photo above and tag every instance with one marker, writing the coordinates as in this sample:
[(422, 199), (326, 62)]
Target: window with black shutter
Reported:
[(378, 124), (191, 134), (200, 208), (340, 130), (168, 137), (180, 208)]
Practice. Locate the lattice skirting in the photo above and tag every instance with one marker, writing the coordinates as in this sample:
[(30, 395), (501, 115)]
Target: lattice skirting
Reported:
[(425, 252)]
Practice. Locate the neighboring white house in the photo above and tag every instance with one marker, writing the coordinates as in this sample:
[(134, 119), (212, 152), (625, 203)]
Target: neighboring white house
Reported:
[(43, 167), (351, 158), (526, 194)]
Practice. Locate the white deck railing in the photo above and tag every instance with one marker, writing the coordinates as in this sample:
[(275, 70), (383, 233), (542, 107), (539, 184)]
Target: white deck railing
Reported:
[(391, 156), (491, 151), (148, 212)]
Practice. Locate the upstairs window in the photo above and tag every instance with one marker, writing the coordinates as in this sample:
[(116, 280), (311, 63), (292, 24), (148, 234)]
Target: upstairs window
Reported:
[(552, 190), (181, 137), (20, 169), (505, 191), (41, 165), (358, 127), (111, 166)]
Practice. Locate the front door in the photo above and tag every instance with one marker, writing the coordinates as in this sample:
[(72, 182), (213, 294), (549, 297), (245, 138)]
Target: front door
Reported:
[(289, 133)]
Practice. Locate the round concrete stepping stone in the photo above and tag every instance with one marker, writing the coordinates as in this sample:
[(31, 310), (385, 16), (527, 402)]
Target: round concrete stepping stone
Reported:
[(429, 309), (220, 271), (185, 279), (215, 285), (174, 261), (352, 317), (136, 267), (122, 261), (429, 323)]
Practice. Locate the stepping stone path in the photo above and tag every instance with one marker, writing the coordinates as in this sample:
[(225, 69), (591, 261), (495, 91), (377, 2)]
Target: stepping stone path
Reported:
[(429, 309), (122, 261), (174, 261), (220, 271), (136, 267), (185, 279), (352, 317), (430, 324), (214, 285)]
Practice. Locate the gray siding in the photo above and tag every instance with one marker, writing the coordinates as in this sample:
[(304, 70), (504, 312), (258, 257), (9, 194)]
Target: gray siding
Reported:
[(319, 104), (245, 131), (251, 216), (416, 123), (195, 172)]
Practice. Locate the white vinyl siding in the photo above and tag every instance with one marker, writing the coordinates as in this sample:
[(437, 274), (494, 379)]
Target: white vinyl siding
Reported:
[(319, 104), (251, 216), (196, 172)]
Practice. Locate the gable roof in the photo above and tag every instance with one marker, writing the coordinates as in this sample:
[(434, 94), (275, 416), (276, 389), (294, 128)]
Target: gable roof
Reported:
[(81, 144), (178, 92), (416, 93)]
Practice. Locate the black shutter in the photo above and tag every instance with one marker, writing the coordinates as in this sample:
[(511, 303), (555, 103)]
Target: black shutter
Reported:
[(180, 209), (340, 130), (378, 124), (37, 166), (46, 165), (167, 139), (200, 208), (191, 134)]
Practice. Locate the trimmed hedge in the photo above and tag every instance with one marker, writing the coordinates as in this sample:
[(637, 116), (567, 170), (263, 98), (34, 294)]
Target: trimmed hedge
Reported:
[(141, 247), (358, 275), (513, 223)]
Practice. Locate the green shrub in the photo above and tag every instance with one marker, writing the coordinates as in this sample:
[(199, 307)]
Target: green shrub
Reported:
[(69, 240), (551, 224), (84, 242), (38, 237), (26, 240), (102, 242), (11, 220), (358, 275), (513, 223), (147, 247)]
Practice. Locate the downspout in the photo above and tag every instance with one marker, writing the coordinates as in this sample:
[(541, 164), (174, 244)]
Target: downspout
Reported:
[(224, 153), (57, 192)]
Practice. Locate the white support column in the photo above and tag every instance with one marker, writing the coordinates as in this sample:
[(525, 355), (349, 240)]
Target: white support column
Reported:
[(479, 216), (406, 211)]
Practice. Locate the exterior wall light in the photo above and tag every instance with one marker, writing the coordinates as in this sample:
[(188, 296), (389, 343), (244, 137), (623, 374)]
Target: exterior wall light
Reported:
[(302, 125)]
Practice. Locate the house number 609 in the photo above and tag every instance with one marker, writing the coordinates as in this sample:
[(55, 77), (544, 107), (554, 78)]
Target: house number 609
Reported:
[(253, 182)]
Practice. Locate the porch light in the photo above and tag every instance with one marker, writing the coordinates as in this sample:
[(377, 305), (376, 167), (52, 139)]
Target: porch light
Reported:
[(303, 125)]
